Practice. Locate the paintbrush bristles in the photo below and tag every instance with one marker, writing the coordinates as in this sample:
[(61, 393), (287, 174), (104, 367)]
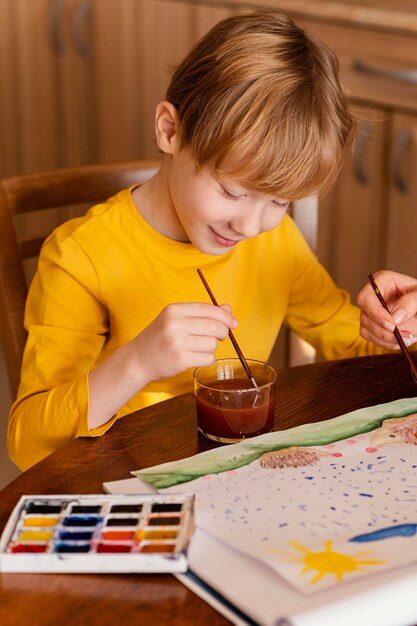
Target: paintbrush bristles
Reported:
[(231, 335)]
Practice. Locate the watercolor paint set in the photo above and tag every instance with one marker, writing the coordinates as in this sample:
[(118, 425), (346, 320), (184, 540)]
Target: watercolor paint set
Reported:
[(98, 534)]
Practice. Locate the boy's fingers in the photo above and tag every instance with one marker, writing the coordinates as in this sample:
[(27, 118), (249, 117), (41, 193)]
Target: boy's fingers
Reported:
[(364, 295), (203, 309), (373, 331), (223, 313), (373, 310), (206, 327), (405, 308)]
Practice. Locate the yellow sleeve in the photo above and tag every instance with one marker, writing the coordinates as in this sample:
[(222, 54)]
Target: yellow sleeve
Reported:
[(319, 311), (67, 325)]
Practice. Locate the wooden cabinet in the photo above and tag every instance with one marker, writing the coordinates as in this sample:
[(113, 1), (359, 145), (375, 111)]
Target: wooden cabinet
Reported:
[(83, 78), (76, 96), (137, 44), (33, 82), (401, 239), (117, 30), (351, 224), (48, 106), (9, 99), (369, 219)]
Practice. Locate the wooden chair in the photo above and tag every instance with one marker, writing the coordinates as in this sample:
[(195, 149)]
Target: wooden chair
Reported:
[(32, 195)]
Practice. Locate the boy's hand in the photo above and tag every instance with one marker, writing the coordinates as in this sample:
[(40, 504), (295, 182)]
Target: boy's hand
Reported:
[(183, 335), (400, 294)]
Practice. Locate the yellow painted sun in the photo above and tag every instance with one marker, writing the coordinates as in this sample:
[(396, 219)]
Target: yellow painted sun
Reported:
[(329, 562)]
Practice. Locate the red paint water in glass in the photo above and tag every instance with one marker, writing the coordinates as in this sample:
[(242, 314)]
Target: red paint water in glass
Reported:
[(235, 415)]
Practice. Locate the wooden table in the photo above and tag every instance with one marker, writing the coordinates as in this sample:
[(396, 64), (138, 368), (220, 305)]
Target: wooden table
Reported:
[(157, 434)]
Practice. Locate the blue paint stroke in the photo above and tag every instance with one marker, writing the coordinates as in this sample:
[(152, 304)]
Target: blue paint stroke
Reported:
[(401, 530)]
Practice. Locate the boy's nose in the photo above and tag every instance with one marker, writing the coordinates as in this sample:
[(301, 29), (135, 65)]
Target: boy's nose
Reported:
[(248, 224)]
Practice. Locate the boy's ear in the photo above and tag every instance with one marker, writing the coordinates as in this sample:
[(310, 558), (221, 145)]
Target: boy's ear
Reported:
[(166, 127)]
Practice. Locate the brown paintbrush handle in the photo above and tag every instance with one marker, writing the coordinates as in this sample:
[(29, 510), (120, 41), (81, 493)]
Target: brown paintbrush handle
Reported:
[(231, 335)]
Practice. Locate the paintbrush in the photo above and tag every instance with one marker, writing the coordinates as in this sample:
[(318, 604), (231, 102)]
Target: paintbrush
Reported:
[(231, 335), (397, 333)]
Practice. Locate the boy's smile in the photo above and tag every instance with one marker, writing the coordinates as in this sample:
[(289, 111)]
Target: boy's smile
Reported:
[(222, 241)]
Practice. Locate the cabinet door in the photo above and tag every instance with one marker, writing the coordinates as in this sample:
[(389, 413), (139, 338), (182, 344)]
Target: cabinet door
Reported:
[(351, 215), (9, 152), (47, 110), (401, 237), (75, 90), (137, 44), (35, 25), (117, 73)]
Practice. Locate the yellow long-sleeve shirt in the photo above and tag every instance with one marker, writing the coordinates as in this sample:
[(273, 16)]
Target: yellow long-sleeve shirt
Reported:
[(104, 277)]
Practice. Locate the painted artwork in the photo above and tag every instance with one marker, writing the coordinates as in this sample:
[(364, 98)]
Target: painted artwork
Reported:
[(321, 504)]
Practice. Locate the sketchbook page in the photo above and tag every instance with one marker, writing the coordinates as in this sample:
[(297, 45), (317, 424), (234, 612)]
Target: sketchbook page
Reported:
[(229, 457), (387, 600), (320, 515), (305, 527)]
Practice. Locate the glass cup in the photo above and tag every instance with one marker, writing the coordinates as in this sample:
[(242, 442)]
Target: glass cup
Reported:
[(229, 408)]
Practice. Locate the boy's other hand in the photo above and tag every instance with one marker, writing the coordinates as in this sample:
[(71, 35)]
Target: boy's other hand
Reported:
[(400, 294), (183, 335)]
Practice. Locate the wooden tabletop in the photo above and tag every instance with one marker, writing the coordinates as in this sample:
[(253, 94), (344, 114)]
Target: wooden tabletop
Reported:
[(157, 434)]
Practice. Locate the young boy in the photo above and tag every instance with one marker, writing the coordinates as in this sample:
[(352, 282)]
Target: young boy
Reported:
[(117, 316)]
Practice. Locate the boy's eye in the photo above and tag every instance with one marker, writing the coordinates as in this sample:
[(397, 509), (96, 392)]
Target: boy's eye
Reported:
[(227, 194), (281, 205)]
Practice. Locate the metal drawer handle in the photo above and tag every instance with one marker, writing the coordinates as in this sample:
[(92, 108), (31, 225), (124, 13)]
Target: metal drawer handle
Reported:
[(79, 22), (54, 14), (358, 154), (405, 76), (404, 139)]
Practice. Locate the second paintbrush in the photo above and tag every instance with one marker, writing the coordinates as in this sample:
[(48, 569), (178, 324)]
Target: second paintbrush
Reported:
[(397, 333)]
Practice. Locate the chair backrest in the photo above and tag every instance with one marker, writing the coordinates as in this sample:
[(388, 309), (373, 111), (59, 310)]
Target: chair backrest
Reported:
[(33, 195)]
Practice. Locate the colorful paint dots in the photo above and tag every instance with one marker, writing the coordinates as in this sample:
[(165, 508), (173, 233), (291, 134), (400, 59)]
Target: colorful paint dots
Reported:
[(52, 534)]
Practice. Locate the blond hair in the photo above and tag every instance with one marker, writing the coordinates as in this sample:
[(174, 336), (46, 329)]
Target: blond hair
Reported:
[(260, 100)]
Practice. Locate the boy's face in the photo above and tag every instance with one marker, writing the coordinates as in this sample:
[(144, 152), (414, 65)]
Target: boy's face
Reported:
[(215, 212)]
